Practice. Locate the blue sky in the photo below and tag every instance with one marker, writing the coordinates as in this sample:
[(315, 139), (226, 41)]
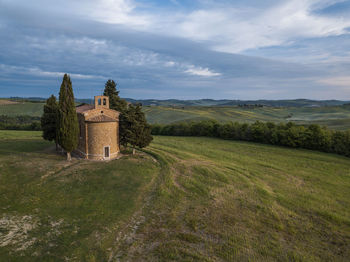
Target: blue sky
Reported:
[(244, 49)]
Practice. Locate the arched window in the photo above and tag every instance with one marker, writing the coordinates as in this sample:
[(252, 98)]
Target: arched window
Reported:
[(104, 101), (99, 101)]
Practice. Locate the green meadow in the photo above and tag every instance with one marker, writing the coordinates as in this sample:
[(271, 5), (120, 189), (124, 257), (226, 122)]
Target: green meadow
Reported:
[(181, 199), (335, 117), (21, 108), (52, 210)]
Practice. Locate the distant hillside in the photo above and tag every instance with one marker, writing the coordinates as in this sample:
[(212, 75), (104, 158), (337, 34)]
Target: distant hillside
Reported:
[(303, 111), (176, 102), (289, 103), (225, 102), (335, 117), (210, 102)]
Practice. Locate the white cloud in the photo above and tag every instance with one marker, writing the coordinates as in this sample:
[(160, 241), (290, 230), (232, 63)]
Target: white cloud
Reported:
[(115, 12), (199, 71), (45, 37), (223, 26), (341, 81), (235, 30), (107, 11), (38, 72), (170, 64), (35, 71)]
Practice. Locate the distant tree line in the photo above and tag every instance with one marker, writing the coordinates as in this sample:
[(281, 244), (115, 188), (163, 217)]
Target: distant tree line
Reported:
[(288, 134), (19, 123), (59, 121), (250, 105)]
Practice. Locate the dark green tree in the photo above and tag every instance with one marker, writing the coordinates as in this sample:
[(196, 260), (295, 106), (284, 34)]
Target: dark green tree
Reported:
[(133, 127), (126, 122), (115, 102), (137, 130), (142, 130), (49, 120), (118, 104), (68, 127)]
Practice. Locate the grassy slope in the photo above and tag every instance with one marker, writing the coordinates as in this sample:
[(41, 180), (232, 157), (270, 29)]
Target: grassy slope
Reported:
[(212, 200), (224, 114), (51, 210), (224, 200), (25, 108)]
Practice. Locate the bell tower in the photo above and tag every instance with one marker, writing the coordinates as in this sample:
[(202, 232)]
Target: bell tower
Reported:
[(101, 102)]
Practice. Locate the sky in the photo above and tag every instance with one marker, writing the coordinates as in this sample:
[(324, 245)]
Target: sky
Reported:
[(177, 49)]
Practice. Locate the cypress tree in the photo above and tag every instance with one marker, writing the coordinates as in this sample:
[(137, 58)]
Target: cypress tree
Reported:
[(68, 130), (49, 120)]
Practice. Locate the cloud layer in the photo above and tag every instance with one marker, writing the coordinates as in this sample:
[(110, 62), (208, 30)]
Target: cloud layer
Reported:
[(177, 49)]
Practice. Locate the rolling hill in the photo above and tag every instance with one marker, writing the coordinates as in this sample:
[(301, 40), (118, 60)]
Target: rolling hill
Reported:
[(228, 102), (335, 117), (15, 108), (184, 199), (208, 102)]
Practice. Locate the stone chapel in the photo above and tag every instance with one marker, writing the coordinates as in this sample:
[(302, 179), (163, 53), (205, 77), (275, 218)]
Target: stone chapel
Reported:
[(99, 130)]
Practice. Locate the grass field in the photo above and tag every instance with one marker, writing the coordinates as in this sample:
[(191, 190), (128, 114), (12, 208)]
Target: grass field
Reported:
[(188, 199), (15, 135), (335, 117), (7, 102), (223, 200), (51, 210), (23, 108)]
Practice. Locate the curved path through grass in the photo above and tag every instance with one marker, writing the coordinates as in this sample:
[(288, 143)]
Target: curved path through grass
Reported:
[(221, 200), (185, 199)]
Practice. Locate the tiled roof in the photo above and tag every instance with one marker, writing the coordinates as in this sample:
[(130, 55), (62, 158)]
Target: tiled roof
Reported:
[(83, 108), (101, 118)]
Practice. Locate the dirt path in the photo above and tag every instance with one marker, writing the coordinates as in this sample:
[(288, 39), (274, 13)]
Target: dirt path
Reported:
[(127, 233)]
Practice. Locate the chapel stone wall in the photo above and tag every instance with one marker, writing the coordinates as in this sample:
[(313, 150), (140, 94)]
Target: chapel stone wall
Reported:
[(100, 135)]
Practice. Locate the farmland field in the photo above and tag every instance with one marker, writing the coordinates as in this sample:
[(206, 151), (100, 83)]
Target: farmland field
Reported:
[(335, 117), (183, 199), (7, 102), (22, 108)]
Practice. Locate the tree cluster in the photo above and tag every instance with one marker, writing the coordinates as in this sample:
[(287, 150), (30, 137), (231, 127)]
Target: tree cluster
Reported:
[(133, 127), (289, 134), (59, 121)]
